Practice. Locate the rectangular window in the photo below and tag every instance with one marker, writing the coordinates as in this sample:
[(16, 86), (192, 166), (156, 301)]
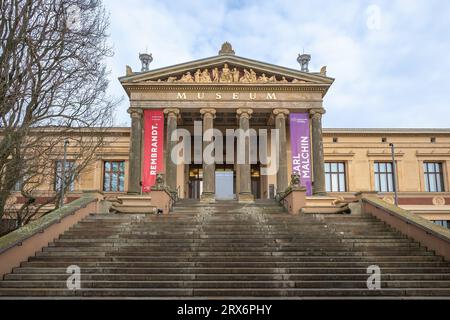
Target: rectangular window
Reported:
[(434, 180), (383, 177), (442, 223), (19, 184), (69, 172), (335, 177), (114, 176)]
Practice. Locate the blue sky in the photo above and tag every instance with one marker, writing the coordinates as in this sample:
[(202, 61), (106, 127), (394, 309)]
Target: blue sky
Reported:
[(390, 59)]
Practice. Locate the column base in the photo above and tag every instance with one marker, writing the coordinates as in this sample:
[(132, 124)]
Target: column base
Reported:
[(246, 198), (208, 197)]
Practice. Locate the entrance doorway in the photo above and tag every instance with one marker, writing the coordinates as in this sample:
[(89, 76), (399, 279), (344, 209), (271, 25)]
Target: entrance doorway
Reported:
[(195, 182), (225, 184), (256, 180)]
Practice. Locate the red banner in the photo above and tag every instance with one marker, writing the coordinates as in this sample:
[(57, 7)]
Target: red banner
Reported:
[(153, 147)]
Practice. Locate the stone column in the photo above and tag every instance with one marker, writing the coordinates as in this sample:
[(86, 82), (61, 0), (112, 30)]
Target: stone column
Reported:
[(171, 167), (282, 173), (317, 150), (209, 170), (135, 173), (245, 187)]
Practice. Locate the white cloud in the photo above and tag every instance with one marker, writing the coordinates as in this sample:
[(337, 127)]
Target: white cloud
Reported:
[(393, 77)]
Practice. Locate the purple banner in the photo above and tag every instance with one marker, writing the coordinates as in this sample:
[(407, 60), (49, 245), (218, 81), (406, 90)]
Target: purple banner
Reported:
[(301, 149)]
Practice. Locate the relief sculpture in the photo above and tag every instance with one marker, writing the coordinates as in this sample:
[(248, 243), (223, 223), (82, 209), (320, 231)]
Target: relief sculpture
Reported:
[(228, 75)]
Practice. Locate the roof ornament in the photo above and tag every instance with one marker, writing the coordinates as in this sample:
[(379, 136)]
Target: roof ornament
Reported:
[(227, 48), (304, 60), (129, 71), (146, 59)]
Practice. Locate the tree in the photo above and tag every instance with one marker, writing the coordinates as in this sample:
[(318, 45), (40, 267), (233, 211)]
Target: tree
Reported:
[(53, 82)]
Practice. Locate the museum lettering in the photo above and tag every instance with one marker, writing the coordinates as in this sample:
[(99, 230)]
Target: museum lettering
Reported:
[(228, 96)]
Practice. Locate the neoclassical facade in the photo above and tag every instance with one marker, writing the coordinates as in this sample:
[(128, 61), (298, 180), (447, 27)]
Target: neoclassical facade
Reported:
[(228, 92), (285, 108)]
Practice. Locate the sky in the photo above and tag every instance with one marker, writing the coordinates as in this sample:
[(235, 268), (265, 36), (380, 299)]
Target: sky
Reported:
[(390, 59)]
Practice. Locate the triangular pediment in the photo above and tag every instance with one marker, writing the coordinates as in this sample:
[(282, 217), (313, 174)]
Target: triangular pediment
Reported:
[(226, 69)]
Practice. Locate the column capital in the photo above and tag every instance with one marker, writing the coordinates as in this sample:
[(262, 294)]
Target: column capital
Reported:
[(135, 113), (172, 112), (317, 112), (208, 112), (244, 113), (281, 112)]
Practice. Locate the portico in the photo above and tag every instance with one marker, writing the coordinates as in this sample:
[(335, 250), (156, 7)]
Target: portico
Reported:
[(226, 93)]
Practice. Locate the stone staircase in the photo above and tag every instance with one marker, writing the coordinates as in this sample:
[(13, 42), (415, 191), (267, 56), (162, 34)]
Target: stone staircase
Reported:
[(230, 250)]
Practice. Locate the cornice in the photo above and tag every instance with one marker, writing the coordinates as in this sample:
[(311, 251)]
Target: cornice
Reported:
[(384, 154), (225, 88), (386, 131), (432, 154), (337, 154)]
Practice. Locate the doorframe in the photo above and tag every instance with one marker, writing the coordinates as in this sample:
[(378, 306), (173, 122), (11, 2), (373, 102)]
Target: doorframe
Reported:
[(226, 168)]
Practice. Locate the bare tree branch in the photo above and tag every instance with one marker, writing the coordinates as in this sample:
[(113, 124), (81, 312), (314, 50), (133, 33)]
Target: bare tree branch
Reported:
[(52, 75)]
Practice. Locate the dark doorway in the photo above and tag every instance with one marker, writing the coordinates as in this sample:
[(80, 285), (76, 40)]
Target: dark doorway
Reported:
[(256, 180), (195, 181)]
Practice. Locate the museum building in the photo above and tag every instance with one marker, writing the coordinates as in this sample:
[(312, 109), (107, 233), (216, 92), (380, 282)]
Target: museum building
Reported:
[(228, 92)]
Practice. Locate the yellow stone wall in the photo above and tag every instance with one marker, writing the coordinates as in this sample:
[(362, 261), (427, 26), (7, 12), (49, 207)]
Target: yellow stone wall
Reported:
[(358, 149)]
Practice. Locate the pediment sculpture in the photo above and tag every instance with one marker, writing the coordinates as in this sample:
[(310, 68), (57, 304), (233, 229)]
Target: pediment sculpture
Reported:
[(227, 75)]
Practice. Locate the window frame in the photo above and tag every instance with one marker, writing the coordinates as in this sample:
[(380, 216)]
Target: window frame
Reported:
[(387, 175), (57, 178), (442, 223), (120, 173), (435, 173), (18, 186), (329, 173)]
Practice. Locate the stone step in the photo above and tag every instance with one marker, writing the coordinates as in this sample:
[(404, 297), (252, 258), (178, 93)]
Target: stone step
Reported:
[(228, 277), (323, 232), (228, 235), (230, 231), (242, 249), (234, 270), (202, 231), (217, 244), (216, 228), (154, 235), (191, 258), (217, 293), (238, 237), (229, 219), (237, 264), (232, 253), (246, 284), (152, 241)]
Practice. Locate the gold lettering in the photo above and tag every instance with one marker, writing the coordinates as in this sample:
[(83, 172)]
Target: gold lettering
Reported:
[(271, 96), (235, 96), (181, 96)]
